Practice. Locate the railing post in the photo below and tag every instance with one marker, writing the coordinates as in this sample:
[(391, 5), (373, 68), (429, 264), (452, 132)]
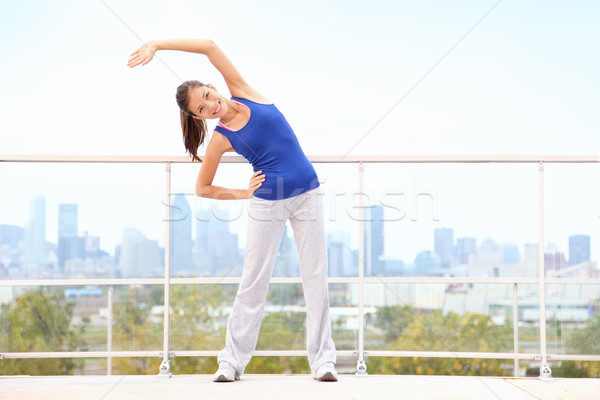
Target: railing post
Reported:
[(165, 365), (109, 323), (361, 367), (516, 326), (545, 371)]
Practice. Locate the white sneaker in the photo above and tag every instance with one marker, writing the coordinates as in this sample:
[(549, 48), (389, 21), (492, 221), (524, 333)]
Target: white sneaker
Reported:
[(326, 372), (226, 373)]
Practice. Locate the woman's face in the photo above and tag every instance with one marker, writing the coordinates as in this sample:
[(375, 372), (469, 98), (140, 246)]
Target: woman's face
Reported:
[(206, 103)]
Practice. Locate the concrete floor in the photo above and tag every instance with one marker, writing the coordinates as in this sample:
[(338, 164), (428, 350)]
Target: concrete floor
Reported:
[(291, 387)]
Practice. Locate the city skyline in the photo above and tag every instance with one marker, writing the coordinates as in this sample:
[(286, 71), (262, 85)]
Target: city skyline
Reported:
[(490, 95), (214, 245)]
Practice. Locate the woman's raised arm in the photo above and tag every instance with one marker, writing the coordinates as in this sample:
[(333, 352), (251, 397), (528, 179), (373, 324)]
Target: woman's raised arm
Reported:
[(235, 83)]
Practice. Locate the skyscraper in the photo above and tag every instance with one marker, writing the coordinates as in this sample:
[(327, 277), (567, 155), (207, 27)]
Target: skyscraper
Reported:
[(67, 220), (216, 251), (488, 260), (510, 253), (11, 235), (444, 245), (139, 257), (35, 236), (427, 263), (579, 249), (181, 237), (339, 254), (69, 245), (531, 260), (373, 241), (465, 247)]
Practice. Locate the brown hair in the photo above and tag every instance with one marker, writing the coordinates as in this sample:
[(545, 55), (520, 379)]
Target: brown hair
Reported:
[(194, 130)]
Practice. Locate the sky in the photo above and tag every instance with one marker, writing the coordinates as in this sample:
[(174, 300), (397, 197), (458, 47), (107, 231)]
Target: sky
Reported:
[(351, 77)]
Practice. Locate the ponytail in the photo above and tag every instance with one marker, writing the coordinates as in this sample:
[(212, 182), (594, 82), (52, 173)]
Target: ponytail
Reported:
[(193, 129), (194, 132)]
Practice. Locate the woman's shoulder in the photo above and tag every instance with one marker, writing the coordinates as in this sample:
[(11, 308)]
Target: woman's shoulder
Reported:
[(251, 95)]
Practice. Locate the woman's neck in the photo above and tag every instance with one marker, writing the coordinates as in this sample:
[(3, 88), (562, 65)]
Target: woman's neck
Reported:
[(233, 110)]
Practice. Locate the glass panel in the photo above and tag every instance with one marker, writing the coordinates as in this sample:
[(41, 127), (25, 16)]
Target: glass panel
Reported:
[(138, 318), (454, 318), (199, 316), (572, 226), (340, 188), (52, 319), (573, 319), (87, 221), (136, 366), (475, 220), (209, 236), (199, 322)]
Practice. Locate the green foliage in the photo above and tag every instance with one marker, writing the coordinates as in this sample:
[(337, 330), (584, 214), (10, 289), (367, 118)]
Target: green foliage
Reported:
[(39, 321), (196, 313), (391, 320), (134, 330), (286, 294), (585, 340), (281, 331), (436, 331)]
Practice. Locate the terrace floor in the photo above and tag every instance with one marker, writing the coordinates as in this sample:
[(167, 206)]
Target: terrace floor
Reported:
[(291, 387)]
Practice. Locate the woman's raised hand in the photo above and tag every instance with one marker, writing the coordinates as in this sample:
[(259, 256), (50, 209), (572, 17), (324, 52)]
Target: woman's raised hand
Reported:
[(142, 56), (256, 181)]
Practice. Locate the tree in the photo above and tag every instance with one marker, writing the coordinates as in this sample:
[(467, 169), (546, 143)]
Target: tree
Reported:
[(585, 340), (281, 331), (436, 331), (198, 323), (39, 321), (133, 330)]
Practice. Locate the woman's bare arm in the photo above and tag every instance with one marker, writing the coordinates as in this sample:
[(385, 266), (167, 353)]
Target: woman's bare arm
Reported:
[(236, 84), (204, 187)]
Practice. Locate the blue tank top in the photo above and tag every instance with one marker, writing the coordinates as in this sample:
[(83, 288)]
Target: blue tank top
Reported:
[(269, 144)]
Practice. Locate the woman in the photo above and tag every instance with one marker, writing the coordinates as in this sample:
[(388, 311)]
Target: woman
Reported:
[(283, 187)]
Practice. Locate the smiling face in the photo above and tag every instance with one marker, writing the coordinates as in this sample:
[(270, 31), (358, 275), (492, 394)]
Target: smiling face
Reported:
[(206, 103)]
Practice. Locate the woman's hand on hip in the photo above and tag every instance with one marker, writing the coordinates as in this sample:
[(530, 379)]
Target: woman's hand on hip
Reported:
[(143, 55), (256, 181)]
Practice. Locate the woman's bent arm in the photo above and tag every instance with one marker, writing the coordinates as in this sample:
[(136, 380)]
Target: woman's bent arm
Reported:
[(217, 146), (222, 193), (235, 83)]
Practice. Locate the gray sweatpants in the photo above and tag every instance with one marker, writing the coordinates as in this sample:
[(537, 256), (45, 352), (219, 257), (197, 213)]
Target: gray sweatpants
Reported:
[(266, 221)]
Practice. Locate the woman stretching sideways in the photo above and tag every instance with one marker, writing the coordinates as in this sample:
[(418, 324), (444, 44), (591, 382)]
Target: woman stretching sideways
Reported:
[(284, 187)]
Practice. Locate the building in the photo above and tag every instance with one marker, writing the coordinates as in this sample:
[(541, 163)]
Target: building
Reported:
[(340, 257), (579, 249), (487, 261), (531, 260), (510, 254), (67, 220), (373, 241), (181, 261), (427, 263), (70, 247), (443, 245), (35, 252), (11, 235), (555, 261), (465, 248), (138, 256), (216, 251), (394, 267)]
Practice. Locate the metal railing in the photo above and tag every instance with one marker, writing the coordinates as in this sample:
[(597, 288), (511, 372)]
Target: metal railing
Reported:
[(543, 357)]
